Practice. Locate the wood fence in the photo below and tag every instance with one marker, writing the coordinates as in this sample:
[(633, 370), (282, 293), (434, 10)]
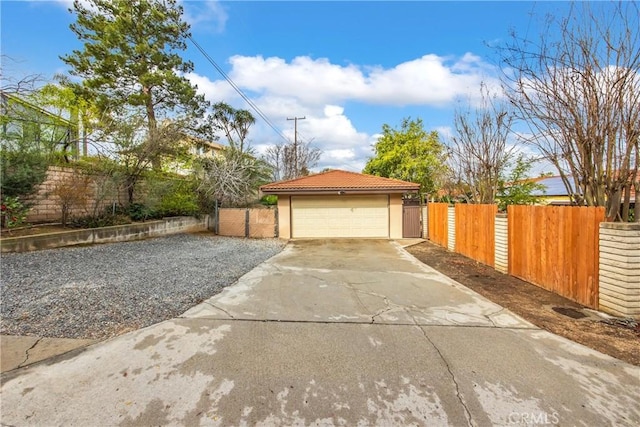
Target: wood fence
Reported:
[(438, 223), (557, 248), (475, 231)]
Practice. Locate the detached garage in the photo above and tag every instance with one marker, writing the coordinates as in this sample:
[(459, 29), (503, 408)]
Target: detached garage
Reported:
[(340, 204)]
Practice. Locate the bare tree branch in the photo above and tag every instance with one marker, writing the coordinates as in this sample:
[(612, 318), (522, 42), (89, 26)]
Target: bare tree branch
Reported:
[(290, 161), (580, 95), (479, 150)]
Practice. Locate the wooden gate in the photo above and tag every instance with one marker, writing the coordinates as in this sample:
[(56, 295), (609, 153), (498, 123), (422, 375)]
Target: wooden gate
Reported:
[(411, 221)]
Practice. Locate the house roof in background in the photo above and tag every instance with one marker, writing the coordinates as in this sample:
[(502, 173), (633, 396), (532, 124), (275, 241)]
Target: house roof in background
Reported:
[(554, 186), (6, 96), (339, 180)]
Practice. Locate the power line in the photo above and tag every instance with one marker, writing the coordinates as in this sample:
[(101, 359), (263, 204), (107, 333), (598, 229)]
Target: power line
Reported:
[(253, 106)]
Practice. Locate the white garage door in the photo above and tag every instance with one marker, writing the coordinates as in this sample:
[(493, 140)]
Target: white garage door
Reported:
[(340, 216)]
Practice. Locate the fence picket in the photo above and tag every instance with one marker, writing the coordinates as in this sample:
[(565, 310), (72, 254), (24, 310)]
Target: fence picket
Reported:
[(557, 249)]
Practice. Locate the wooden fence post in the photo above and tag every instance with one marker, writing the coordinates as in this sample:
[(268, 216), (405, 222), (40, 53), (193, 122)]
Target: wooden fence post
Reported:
[(246, 223), (216, 218)]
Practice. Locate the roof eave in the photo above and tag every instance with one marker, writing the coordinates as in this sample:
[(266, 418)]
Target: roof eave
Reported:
[(340, 191)]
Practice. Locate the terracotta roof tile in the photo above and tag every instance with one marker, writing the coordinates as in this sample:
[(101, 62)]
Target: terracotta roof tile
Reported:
[(340, 180)]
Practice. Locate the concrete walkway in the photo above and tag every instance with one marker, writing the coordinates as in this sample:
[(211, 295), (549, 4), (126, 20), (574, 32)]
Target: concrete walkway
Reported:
[(331, 333)]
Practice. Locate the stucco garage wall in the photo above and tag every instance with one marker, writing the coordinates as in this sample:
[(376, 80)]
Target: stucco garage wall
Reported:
[(395, 216), (284, 217)]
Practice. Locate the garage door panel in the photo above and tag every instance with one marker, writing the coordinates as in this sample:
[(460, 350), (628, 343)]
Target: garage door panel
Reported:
[(340, 216)]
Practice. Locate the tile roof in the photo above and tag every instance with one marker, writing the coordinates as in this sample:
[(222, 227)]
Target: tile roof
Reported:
[(339, 180)]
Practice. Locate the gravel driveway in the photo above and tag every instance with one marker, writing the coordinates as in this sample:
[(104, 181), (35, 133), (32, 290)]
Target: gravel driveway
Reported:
[(100, 291)]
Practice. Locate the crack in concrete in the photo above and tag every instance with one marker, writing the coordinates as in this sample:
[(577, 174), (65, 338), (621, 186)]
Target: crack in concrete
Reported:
[(467, 413), (489, 316), (381, 312), (356, 293), (219, 308), (356, 322), (26, 353)]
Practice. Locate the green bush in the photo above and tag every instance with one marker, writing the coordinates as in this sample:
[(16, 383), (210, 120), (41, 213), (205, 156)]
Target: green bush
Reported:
[(179, 203), (269, 200), (105, 219), (14, 212), (22, 171), (178, 198), (141, 212)]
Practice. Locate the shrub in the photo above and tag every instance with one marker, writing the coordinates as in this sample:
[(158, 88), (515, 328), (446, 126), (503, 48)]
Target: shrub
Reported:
[(72, 192), (22, 171), (14, 212), (179, 203), (141, 212), (269, 200), (105, 219), (179, 197)]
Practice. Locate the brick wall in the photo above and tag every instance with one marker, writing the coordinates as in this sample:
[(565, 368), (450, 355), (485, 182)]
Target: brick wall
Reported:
[(45, 203)]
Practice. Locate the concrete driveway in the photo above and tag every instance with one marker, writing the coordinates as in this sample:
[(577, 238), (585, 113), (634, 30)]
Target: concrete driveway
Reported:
[(331, 333)]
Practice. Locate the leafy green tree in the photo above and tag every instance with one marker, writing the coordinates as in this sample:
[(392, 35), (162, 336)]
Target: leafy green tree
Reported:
[(130, 66), (517, 188), (410, 154)]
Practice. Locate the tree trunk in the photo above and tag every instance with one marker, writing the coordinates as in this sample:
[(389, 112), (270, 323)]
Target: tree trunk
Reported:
[(156, 162), (626, 202), (613, 206), (131, 186)]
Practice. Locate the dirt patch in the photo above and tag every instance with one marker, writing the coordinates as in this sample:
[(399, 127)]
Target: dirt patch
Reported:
[(546, 310)]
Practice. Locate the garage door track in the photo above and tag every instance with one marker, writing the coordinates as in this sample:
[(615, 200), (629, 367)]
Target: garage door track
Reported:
[(337, 332)]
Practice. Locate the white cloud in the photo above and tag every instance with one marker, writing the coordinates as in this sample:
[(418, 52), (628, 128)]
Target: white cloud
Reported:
[(333, 110), (445, 133), (318, 90), (429, 80)]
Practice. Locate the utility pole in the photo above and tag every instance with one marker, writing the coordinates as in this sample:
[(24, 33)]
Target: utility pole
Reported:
[(295, 142)]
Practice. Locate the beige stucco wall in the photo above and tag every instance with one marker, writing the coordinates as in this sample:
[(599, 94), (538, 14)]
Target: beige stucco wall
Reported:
[(232, 222), (262, 223), (395, 216), (284, 217)]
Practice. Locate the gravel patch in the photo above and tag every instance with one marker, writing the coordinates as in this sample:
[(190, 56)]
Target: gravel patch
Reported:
[(100, 291)]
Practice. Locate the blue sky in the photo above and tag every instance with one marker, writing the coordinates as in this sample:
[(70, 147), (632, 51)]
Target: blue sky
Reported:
[(348, 67)]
